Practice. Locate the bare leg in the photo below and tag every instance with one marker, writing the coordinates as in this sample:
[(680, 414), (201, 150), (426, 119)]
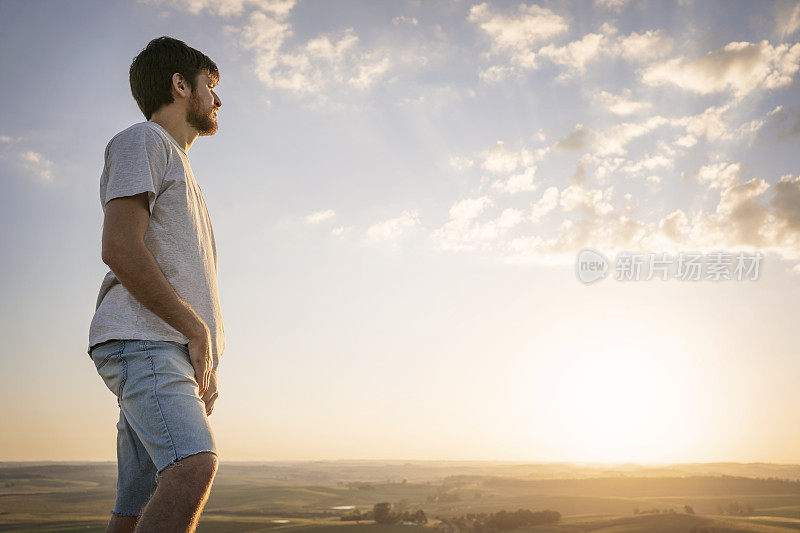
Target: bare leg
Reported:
[(121, 524), (182, 491)]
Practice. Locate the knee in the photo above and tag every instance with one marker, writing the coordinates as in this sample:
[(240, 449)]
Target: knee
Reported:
[(199, 468), (204, 465)]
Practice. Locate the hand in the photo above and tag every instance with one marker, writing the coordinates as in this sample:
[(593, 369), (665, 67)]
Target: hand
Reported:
[(200, 357), (211, 394)]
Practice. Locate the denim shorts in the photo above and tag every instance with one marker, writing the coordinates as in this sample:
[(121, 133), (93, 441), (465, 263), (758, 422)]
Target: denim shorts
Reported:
[(161, 417)]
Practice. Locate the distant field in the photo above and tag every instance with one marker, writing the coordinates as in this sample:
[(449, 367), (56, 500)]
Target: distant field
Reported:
[(78, 497)]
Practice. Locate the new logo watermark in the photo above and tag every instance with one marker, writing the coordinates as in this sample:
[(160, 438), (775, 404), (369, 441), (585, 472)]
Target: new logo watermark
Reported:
[(592, 266)]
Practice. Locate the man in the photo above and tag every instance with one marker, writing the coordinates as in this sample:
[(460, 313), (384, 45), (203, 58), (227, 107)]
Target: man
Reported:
[(157, 332)]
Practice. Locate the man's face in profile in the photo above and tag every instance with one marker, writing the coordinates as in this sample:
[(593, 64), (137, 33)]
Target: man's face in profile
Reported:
[(203, 105)]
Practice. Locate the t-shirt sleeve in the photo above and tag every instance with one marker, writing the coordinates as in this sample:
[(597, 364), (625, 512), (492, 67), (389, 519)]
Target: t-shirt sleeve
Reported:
[(135, 162)]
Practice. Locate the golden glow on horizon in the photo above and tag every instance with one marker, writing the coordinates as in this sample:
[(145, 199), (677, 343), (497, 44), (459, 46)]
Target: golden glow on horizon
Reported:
[(614, 394)]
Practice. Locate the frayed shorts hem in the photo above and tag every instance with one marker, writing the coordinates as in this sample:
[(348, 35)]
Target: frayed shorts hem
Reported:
[(123, 513), (184, 456)]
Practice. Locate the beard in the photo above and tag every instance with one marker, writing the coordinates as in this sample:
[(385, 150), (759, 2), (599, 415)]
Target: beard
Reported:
[(201, 119)]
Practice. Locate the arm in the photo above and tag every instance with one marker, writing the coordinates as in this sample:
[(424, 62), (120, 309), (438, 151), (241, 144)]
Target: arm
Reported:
[(125, 253)]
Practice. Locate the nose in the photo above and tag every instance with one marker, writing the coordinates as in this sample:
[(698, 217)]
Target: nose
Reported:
[(217, 101)]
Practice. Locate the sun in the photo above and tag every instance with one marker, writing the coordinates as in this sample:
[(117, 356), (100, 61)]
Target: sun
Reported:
[(618, 391)]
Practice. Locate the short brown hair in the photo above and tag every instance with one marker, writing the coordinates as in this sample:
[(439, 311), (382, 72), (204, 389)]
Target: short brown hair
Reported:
[(151, 71)]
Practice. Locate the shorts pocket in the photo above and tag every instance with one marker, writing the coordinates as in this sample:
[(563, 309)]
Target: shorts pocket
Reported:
[(110, 365)]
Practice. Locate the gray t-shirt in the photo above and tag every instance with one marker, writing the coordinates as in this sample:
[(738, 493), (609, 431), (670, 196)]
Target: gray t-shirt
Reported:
[(145, 158)]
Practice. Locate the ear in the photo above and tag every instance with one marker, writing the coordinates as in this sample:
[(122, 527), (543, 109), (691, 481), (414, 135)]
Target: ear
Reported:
[(180, 86)]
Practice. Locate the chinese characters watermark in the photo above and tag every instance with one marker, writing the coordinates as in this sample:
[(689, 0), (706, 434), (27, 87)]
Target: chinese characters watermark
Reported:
[(592, 266)]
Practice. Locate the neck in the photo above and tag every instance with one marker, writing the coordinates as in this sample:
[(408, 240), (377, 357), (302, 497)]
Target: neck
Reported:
[(181, 131)]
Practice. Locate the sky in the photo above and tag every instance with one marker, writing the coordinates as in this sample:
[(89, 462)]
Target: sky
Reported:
[(399, 191)]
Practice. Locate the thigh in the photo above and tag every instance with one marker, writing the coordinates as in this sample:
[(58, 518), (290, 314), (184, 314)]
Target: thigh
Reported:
[(160, 401), (136, 473)]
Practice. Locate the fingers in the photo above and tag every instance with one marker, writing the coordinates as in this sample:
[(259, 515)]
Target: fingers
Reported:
[(206, 376), (202, 371), (210, 403), (202, 375), (199, 376)]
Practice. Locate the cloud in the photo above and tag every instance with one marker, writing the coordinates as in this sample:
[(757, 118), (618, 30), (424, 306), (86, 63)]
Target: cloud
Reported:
[(780, 124), (461, 163), (648, 163), (591, 201), (614, 140), (742, 220), (518, 182), (574, 55), (464, 232), (578, 140), (516, 35), (404, 20), (468, 209), (786, 206), (610, 232), (686, 141), (501, 159), (635, 47), (394, 227), (34, 164), (709, 124), (341, 231), (521, 38), (739, 68), (641, 47), (315, 68), (319, 69), (227, 8), (545, 205), (498, 73), (619, 104), (719, 175), (320, 216), (614, 5), (29, 162), (674, 227), (787, 19)]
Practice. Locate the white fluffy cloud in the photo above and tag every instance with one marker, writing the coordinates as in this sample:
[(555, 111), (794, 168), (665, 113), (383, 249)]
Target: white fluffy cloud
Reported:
[(524, 181), (545, 205), (36, 164), (615, 139), (574, 55), (394, 227), (517, 34), (502, 159), (320, 216), (738, 67), (645, 46), (526, 37), (614, 5), (719, 175), (314, 68), (227, 8), (464, 230), (619, 104)]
